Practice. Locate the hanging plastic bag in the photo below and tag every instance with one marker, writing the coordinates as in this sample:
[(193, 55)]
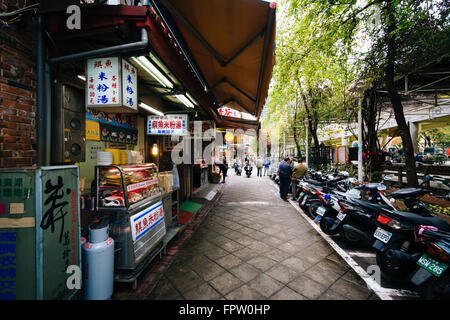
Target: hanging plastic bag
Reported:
[(176, 178)]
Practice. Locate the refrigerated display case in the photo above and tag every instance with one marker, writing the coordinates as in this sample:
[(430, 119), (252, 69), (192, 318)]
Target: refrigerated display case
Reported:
[(130, 198)]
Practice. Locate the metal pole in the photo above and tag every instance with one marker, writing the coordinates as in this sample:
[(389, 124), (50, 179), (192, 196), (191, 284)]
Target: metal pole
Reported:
[(307, 147), (40, 89), (360, 147)]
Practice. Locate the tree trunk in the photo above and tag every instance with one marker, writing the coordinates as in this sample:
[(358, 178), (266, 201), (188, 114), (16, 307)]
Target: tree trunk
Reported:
[(296, 139), (312, 123), (403, 128), (371, 143)]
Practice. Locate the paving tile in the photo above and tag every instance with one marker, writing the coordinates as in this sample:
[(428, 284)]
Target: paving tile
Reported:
[(287, 294), (262, 263), (246, 254), (244, 240), (265, 285), (229, 261), (351, 290), (231, 246), (325, 277), (215, 253), (245, 272), (209, 271), (225, 283), (203, 292), (282, 273), (164, 291), (289, 248), (273, 241), (331, 295), (297, 264), (186, 282), (244, 292), (277, 255), (307, 287), (331, 265)]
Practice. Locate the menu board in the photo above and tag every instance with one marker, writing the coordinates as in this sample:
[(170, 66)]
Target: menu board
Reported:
[(103, 82)]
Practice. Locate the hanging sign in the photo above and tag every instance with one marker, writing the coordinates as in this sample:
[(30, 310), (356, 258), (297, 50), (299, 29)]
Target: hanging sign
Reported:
[(174, 124), (228, 112), (129, 85), (111, 82)]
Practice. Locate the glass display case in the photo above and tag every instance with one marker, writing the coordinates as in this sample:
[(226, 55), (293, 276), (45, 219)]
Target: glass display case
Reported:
[(126, 187), (130, 198)]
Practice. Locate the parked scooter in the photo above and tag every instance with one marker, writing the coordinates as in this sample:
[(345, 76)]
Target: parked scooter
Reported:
[(432, 276), (395, 241)]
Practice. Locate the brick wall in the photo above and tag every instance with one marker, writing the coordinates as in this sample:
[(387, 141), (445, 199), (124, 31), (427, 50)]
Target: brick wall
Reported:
[(17, 90)]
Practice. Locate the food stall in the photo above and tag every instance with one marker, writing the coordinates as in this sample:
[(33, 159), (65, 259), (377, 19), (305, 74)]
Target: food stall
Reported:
[(129, 198)]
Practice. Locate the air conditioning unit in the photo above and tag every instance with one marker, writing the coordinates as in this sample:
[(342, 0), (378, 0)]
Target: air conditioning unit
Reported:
[(68, 125)]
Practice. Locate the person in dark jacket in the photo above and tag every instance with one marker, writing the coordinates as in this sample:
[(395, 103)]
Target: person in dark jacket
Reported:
[(285, 172)]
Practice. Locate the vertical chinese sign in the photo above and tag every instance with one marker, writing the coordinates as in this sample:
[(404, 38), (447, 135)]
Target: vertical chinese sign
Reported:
[(60, 229), (129, 85), (111, 82)]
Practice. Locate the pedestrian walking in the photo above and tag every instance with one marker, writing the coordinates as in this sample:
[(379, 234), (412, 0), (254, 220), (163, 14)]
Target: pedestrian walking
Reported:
[(224, 168), (266, 167), (259, 166), (285, 172), (299, 171)]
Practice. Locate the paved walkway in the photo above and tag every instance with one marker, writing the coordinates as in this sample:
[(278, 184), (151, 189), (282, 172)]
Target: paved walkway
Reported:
[(252, 246)]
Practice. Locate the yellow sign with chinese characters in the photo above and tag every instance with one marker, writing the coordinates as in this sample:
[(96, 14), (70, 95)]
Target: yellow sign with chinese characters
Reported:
[(92, 130)]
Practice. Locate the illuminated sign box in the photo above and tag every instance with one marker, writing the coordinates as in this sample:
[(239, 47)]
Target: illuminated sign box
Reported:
[(172, 125), (111, 85)]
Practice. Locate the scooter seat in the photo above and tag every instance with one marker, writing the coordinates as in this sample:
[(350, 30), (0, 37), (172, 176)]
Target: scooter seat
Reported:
[(407, 193), (371, 206), (314, 182), (419, 220)]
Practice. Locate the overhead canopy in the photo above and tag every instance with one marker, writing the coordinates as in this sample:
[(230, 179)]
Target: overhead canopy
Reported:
[(230, 44)]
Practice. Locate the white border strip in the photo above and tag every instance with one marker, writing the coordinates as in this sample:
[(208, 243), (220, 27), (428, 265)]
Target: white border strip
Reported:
[(382, 293)]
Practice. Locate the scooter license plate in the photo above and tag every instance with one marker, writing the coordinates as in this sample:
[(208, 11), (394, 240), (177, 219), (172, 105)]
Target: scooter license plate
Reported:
[(321, 211), (341, 216), (382, 235), (431, 265)]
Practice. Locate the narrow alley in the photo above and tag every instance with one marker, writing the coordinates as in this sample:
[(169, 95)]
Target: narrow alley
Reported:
[(255, 246)]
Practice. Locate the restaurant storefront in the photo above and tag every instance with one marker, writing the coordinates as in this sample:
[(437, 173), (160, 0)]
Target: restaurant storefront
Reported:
[(118, 97)]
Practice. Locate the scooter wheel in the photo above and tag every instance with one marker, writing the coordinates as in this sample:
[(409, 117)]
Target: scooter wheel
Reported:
[(395, 270), (325, 225), (349, 237), (312, 208), (437, 288)]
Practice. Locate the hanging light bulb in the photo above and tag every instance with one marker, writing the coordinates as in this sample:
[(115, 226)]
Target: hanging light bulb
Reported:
[(155, 149)]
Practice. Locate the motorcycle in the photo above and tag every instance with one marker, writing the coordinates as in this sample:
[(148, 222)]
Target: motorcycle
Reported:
[(432, 277), (395, 241), (355, 221), (352, 218), (248, 170), (238, 169)]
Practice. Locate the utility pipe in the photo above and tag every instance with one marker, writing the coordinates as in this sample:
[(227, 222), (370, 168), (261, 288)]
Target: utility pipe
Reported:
[(142, 44)]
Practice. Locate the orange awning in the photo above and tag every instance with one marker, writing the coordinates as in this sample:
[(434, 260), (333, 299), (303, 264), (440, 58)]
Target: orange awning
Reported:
[(232, 44)]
